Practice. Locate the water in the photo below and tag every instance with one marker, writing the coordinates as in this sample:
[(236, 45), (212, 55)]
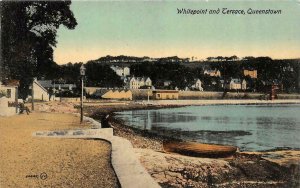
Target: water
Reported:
[(250, 127)]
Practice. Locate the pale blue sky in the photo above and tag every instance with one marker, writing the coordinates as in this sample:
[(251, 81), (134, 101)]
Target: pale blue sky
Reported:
[(147, 28)]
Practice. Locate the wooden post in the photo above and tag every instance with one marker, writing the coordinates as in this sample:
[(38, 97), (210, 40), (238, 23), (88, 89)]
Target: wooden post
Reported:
[(16, 99), (32, 97), (148, 95)]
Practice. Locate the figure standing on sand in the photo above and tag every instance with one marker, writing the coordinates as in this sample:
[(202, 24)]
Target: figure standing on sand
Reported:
[(104, 121)]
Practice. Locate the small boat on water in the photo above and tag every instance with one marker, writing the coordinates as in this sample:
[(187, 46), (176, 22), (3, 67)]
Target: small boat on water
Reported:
[(199, 150)]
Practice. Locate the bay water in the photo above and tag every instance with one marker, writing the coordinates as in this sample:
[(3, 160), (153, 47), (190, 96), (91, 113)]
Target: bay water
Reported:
[(250, 127)]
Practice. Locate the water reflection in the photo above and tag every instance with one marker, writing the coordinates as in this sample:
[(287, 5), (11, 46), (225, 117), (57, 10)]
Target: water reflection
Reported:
[(173, 117), (248, 127)]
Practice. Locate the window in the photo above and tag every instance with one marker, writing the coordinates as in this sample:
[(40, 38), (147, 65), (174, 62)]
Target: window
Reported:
[(8, 93), (158, 95)]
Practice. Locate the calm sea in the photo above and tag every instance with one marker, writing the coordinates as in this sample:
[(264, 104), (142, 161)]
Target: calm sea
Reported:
[(250, 127)]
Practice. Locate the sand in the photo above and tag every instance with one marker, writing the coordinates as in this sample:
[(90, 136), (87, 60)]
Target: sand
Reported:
[(27, 161)]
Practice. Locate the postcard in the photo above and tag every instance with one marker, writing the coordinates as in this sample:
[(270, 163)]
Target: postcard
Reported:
[(136, 93)]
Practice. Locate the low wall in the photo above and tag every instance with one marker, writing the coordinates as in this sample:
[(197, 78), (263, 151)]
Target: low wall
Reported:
[(75, 99), (288, 96), (200, 95), (141, 94), (230, 95), (4, 109), (243, 95)]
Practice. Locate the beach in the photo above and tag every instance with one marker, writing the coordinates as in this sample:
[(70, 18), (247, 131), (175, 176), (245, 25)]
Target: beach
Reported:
[(27, 161)]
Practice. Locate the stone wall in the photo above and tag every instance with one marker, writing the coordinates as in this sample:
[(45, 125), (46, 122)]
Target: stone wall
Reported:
[(4, 109)]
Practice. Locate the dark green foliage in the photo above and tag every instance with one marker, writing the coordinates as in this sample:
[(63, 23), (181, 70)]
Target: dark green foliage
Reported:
[(68, 94), (70, 73), (99, 75), (28, 35), (96, 75), (285, 72)]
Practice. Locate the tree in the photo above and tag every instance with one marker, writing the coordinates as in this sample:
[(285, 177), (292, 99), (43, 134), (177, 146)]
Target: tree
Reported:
[(248, 58), (28, 36), (210, 58), (234, 58), (220, 58), (101, 75)]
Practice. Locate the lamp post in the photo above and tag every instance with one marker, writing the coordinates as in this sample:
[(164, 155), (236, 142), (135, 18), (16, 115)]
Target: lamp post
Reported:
[(148, 94), (82, 73), (32, 96)]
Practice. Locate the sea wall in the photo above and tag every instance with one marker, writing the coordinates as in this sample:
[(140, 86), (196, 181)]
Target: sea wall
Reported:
[(142, 94), (199, 95)]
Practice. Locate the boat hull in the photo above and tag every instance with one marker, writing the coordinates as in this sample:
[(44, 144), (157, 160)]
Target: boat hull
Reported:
[(199, 150)]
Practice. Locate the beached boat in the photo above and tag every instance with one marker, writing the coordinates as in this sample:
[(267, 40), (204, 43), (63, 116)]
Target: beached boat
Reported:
[(199, 150)]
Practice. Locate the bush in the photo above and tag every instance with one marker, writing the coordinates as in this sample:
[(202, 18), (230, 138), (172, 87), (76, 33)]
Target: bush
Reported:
[(67, 94), (2, 93)]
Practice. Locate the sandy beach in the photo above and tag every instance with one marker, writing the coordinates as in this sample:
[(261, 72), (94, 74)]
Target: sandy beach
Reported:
[(27, 161)]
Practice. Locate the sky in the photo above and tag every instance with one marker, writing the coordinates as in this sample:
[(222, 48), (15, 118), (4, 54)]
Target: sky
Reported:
[(155, 29)]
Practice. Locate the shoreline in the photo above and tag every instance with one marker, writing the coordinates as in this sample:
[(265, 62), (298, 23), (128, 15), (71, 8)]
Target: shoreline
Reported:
[(264, 169), (98, 112), (102, 111)]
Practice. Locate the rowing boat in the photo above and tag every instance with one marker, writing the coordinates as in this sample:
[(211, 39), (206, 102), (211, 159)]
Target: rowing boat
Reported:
[(199, 150)]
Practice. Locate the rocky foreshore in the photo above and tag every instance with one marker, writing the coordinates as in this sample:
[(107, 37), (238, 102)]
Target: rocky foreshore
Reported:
[(172, 170), (244, 169)]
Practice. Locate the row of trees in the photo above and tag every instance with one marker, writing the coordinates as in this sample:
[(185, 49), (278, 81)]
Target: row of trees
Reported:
[(134, 59), (221, 58)]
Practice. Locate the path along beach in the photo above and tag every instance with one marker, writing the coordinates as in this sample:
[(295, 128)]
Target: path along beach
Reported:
[(27, 161)]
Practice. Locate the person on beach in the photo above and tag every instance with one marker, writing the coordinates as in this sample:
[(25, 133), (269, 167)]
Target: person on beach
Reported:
[(104, 121)]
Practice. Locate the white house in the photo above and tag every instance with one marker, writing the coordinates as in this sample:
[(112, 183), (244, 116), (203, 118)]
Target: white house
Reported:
[(197, 85), (9, 98), (214, 72), (236, 84), (137, 82), (121, 71), (167, 83), (39, 92), (10, 89)]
